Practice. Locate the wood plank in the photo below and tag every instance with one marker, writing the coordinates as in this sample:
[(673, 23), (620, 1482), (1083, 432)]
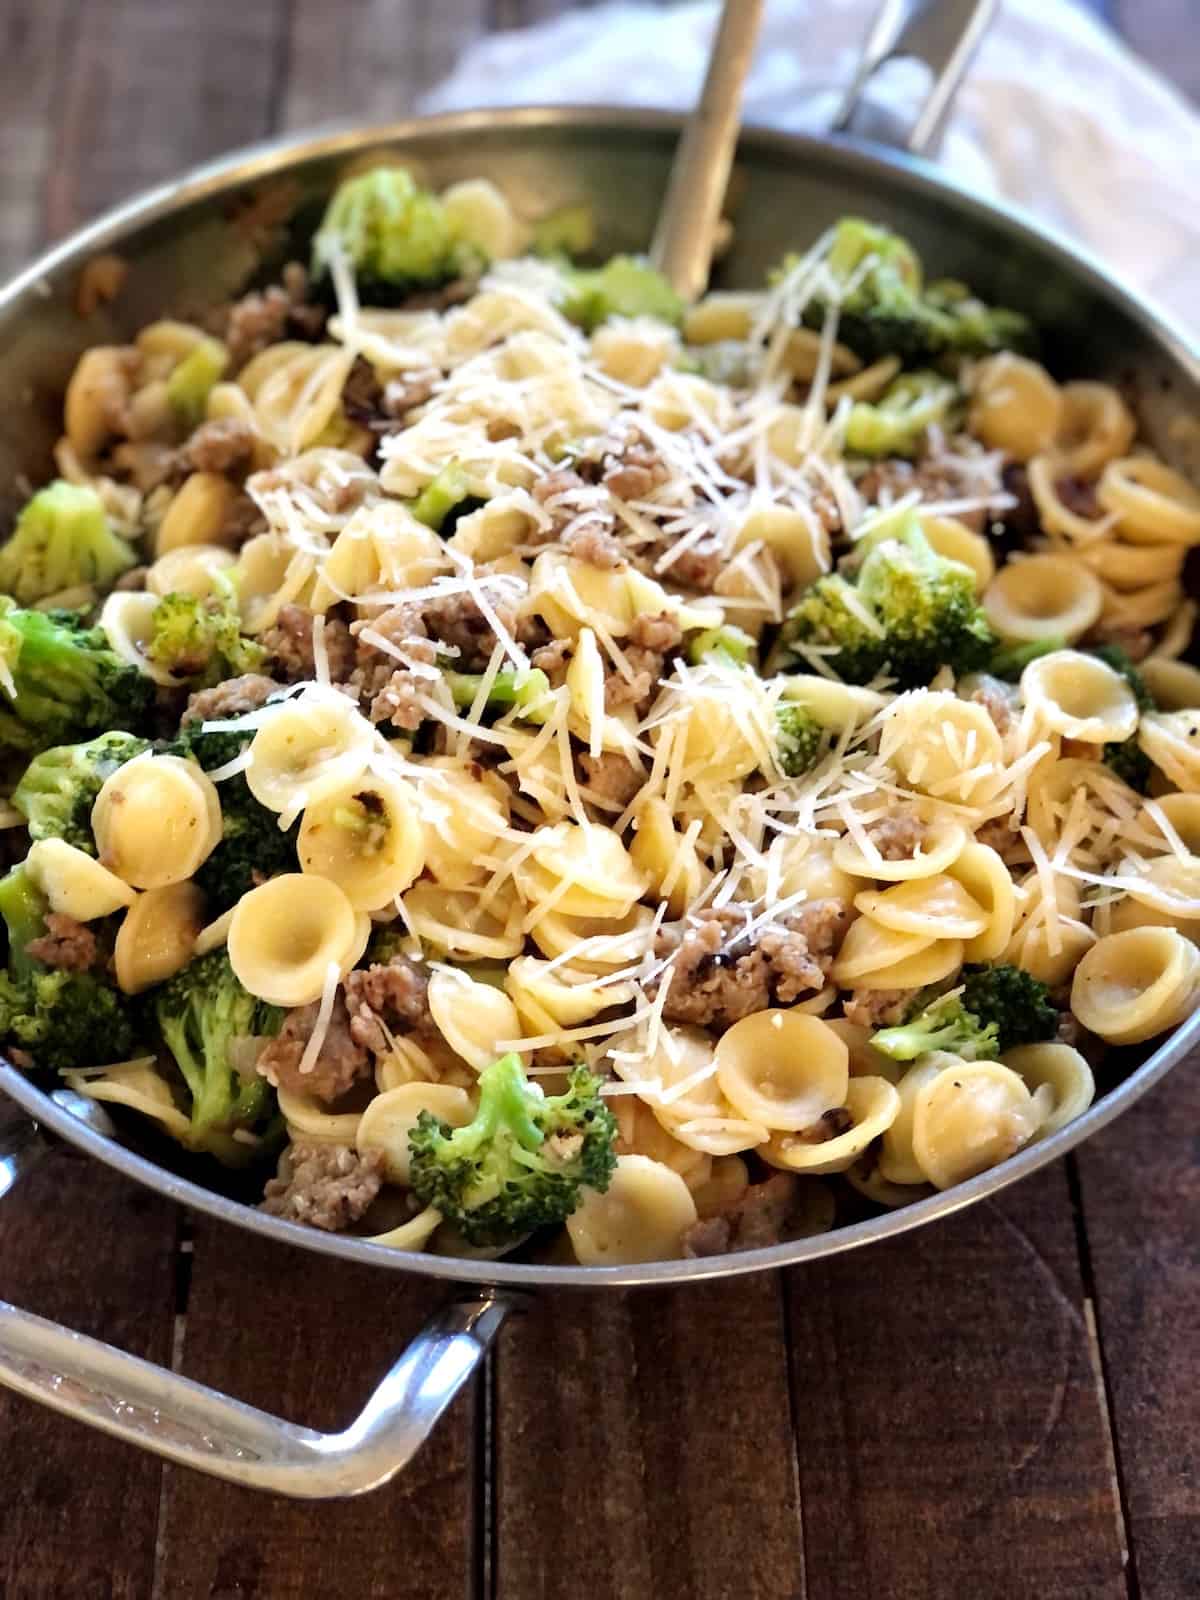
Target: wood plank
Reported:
[(951, 1440), (1140, 1190), (368, 60), (150, 88), (78, 1511), (308, 1339), (34, 38), (645, 1441)]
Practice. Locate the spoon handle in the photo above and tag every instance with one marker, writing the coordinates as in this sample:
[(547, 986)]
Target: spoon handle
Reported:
[(683, 241)]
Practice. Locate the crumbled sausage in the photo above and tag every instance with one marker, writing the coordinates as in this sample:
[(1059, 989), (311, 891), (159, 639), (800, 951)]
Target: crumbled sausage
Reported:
[(387, 691), (992, 697), (458, 624), (66, 943), (220, 445), (898, 835), (1137, 643), (611, 777), (340, 1063), (955, 469), (651, 640), (410, 390), (719, 976), (289, 645), (1000, 835), (233, 698), (877, 1008), (757, 1219), (591, 539), (262, 318), (551, 486), (327, 1186), (552, 658), (385, 1000), (1079, 496)]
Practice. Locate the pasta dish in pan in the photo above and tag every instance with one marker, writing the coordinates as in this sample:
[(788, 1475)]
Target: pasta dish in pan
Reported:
[(525, 762)]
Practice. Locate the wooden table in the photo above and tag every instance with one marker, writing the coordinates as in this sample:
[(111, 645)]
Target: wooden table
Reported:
[(1003, 1406)]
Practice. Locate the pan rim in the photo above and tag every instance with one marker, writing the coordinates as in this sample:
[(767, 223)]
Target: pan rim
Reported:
[(272, 157)]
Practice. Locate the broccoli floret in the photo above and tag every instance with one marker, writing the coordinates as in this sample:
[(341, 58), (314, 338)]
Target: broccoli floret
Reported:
[(922, 607), (1016, 1002), (896, 423), (252, 847), (1126, 757), (728, 642), (944, 1023), (58, 788), (522, 1162), (569, 232), (59, 680), (441, 495), (884, 308), (66, 1019), (973, 328), (798, 739), (623, 287), (1130, 763), (199, 638), (200, 1012), (192, 381), (62, 540), (1009, 659), (526, 693), (394, 235)]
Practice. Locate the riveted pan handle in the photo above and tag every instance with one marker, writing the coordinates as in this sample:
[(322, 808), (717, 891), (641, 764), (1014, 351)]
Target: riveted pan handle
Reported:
[(944, 34), (199, 1427)]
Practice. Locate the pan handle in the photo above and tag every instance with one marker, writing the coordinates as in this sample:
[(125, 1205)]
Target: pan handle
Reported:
[(944, 34), (199, 1427)]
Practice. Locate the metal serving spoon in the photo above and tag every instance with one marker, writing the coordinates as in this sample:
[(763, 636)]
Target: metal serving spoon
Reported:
[(944, 34)]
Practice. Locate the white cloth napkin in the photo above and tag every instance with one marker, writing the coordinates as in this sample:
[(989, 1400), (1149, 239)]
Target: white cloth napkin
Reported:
[(1055, 113)]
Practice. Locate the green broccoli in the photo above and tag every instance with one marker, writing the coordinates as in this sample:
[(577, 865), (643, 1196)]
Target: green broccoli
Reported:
[(394, 235), (1016, 1002), (199, 638), (441, 495), (201, 1012), (522, 1162), (64, 1018), (253, 846), (625, 286), (526, 693), (1126, 757), (60, 679), (799, 739), (908, 612), (570, 231), (59, 787), (885, 310), (728, 642), (62, 540), (1010, 658), (943, 1023), (195, 377), (896, 423)]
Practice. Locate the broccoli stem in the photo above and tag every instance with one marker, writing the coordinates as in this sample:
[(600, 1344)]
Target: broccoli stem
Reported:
[(521, 690)]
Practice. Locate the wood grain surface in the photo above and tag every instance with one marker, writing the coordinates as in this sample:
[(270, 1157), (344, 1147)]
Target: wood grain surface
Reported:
[(1006, 1405)]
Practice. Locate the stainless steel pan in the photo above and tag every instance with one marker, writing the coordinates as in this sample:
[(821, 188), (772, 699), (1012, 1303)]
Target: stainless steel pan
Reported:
[(195, 242)]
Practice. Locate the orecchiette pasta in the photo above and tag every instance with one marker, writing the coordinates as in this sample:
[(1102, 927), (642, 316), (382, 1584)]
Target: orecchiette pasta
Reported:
[(156, 820), (287, 934), (1015, 405), (969, 1116), (158, 936), (74, 883), (1044, 597), (367, 837), (641, 1216), (1130, 986), (306, 749), (1080, 697), (782, 1069), (389, 1119)]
